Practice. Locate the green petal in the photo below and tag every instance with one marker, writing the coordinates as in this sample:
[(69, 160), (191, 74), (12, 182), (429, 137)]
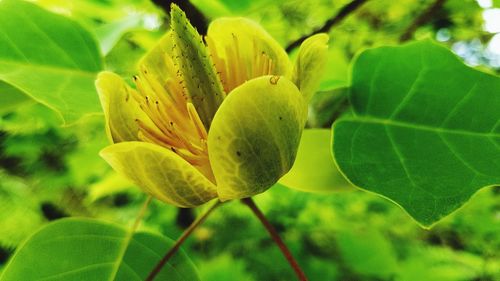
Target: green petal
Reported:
[(120, 108), (255, 135), (160, 173), (196, 67), (310, 64), (249, 40)]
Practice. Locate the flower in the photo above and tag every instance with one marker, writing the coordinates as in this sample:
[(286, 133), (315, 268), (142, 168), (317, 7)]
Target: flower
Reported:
[(215, 118)]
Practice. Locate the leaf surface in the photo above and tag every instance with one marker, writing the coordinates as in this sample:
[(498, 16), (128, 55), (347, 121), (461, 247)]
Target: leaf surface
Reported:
[(10, 97), (425, 131), (314, 169), (85, 249), (50, 58)]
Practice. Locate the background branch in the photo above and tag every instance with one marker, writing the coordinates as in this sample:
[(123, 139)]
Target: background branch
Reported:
[(421, 20), (195, 16), (344, 12)]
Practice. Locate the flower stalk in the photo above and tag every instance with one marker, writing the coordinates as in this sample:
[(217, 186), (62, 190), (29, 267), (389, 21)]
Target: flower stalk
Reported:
[(175, 248)]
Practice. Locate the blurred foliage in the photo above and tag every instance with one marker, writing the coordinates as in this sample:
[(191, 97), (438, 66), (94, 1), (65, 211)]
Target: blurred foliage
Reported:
[(48, 171)]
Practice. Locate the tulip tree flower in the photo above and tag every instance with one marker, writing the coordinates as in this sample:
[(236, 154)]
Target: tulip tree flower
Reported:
[(213, 117)]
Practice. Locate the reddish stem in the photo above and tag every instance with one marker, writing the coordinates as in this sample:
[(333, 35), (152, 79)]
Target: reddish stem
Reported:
[(171, 252), (275, 236)]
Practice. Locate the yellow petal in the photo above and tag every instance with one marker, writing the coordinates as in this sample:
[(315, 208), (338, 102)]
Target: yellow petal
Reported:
[(255, 135), (120, 108), (243, 50), (310, 64), (159, 77), (160, 173), (154, 60)]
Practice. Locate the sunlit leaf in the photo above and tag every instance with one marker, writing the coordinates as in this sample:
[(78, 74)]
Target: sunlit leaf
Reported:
[(314, 169), (425, 131), (109, 34), (10, 97), (50, 58), (84, 249)]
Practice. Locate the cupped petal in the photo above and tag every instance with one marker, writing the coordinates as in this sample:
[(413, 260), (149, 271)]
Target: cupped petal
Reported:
[(159, 78), (120, 109), (160, 173), (242, 50), (310, 64), (154, 61), (255, 135)]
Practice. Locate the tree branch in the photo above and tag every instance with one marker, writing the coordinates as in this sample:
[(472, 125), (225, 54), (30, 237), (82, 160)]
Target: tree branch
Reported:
[(421, 20), (275, 236), (195, 16), (344, 12)]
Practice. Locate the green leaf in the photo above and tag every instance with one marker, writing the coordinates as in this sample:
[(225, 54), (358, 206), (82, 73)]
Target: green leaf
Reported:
[(326, 106), (367, 252), (255, 135), (109, 34), (10, 97), (425, 131), (85, 249), (50, 58), (19, 211), (314, 169)]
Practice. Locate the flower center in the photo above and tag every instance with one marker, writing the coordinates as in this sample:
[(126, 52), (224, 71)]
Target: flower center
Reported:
[(175, 123), (239, 62)]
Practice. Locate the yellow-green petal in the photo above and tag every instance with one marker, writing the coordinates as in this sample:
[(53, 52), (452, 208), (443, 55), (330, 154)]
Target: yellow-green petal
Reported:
[(310, 64), (160, 172), (155, 59), (120, 108), (255, 135)]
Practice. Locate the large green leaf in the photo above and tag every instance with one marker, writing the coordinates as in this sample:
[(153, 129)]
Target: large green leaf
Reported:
[(50, 58), (425, 131), (109, 34), (85, 249), (10, 97)]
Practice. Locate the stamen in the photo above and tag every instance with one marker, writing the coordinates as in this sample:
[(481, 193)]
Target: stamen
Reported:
[(265, 66), (193, 115), (270, 67)]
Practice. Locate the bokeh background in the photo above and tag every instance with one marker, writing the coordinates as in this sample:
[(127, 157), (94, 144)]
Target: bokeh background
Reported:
[(48, 172)]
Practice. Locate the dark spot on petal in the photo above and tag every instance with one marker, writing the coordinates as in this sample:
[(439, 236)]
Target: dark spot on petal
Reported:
[(274, 80)]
